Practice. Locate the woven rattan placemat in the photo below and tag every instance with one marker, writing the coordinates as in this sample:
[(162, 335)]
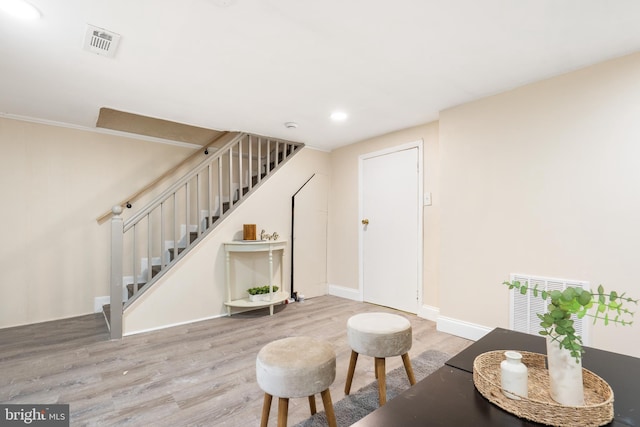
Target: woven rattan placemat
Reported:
[(539, 406)]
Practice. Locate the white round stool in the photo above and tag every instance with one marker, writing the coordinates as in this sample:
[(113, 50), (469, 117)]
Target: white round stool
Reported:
[(296, 367), (379, 335)]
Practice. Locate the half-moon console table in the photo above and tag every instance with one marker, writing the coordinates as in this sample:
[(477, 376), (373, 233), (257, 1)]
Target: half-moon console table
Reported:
[(268, 247)]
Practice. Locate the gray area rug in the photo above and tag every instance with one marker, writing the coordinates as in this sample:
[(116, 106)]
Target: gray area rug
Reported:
[(358, 404)]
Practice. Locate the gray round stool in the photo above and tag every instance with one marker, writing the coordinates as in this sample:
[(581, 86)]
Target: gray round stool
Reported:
[(296, 367), (379, 335)]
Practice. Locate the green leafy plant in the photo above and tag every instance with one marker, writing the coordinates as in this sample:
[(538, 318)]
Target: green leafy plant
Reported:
[(558, 323), (259, 290)]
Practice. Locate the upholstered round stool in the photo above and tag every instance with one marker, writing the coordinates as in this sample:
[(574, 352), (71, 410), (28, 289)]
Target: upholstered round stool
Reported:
[(379, 335), (296, 367)]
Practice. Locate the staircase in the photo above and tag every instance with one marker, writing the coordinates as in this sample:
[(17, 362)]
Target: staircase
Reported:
[(154, 239)]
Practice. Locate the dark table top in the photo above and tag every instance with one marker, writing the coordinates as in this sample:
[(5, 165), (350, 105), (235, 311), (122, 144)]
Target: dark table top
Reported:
[(448, 396)]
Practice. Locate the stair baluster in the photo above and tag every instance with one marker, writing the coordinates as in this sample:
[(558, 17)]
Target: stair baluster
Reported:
[(163, 231)]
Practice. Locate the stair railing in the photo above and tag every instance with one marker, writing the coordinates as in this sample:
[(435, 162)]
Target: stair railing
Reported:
[(149, 243), (153, 184)]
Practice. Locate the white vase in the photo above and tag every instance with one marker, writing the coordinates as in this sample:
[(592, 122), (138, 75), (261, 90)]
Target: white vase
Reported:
[(565, 374), (513, 376)]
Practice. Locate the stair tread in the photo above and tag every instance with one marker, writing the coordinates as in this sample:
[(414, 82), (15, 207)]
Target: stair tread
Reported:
[(275, 156)]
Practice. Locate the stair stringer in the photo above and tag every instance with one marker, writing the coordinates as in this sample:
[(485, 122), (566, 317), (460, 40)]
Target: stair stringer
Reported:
[(196, 289)]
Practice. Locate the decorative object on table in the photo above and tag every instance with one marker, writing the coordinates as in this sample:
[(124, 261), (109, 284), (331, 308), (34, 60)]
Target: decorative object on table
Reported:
[(254, 295), (249, 232), (261, 293), (272, 236), (513, 376), (564, 346), (539, 406)]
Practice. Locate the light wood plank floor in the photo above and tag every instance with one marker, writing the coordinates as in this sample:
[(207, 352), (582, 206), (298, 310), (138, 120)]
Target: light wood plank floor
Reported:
[(202, 374)]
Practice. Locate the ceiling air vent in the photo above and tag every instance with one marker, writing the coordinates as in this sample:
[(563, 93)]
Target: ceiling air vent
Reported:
[(100, 41)]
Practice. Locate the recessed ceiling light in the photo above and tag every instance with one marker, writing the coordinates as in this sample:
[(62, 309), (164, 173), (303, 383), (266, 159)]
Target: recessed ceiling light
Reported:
[(20, 9), (339, 116)]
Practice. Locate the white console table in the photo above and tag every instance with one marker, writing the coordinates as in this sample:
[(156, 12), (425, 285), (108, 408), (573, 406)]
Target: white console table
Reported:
[(268, 247)]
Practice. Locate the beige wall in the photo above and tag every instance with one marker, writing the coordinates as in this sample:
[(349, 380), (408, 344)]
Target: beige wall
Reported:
[(55, 259), (343, 263), (56, 181), (543, 180), (197, 289)]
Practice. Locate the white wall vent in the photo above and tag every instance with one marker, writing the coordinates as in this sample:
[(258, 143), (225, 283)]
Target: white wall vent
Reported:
[(524, 308), (100, 41)]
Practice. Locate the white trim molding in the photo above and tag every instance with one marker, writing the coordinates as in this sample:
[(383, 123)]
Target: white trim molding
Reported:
[(429, 312), (157, 328), (100, 130), (347, 293), (460, 328)]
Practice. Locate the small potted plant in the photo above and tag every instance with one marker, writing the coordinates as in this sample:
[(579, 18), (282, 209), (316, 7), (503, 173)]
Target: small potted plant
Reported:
[(260, 293), (254, 294), (266, 295), (564, 346)]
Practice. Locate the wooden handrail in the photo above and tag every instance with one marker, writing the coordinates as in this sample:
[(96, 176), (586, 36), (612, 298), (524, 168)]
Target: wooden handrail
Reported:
[(105, 216)]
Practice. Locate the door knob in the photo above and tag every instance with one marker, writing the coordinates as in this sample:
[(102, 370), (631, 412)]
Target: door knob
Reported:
[(365, 221)]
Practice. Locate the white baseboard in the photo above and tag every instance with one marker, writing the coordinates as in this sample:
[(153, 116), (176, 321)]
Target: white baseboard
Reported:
[(141, 331), (460, 328), (348, 293), (429, 312), (98, 302)]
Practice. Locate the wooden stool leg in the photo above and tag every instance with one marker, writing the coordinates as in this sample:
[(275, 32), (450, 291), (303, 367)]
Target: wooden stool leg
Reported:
[(283, 410), (328, 408), (266, 408), (312, 404), (408, 368), (382, 384), (352, 368)]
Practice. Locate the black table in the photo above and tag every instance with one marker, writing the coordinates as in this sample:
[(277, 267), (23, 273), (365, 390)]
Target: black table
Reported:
[(448, 397)]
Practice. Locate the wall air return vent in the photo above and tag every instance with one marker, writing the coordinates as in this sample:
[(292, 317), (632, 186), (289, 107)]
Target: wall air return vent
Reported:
[(100, 41), (524, 308)]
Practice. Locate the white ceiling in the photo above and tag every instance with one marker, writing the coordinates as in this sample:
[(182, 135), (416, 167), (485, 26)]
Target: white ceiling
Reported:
[(256, 64)]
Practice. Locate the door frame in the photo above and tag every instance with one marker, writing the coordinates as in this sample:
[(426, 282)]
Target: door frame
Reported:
[(420, 249)]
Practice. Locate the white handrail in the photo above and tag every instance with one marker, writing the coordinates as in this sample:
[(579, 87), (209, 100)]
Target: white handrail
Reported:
[(169, 191), (133, 239)]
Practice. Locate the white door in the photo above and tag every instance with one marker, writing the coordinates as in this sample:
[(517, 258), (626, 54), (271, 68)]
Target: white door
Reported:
[(391, 228), (310, 238)]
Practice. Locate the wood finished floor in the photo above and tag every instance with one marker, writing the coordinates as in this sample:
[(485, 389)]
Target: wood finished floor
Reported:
[(202, 374)]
